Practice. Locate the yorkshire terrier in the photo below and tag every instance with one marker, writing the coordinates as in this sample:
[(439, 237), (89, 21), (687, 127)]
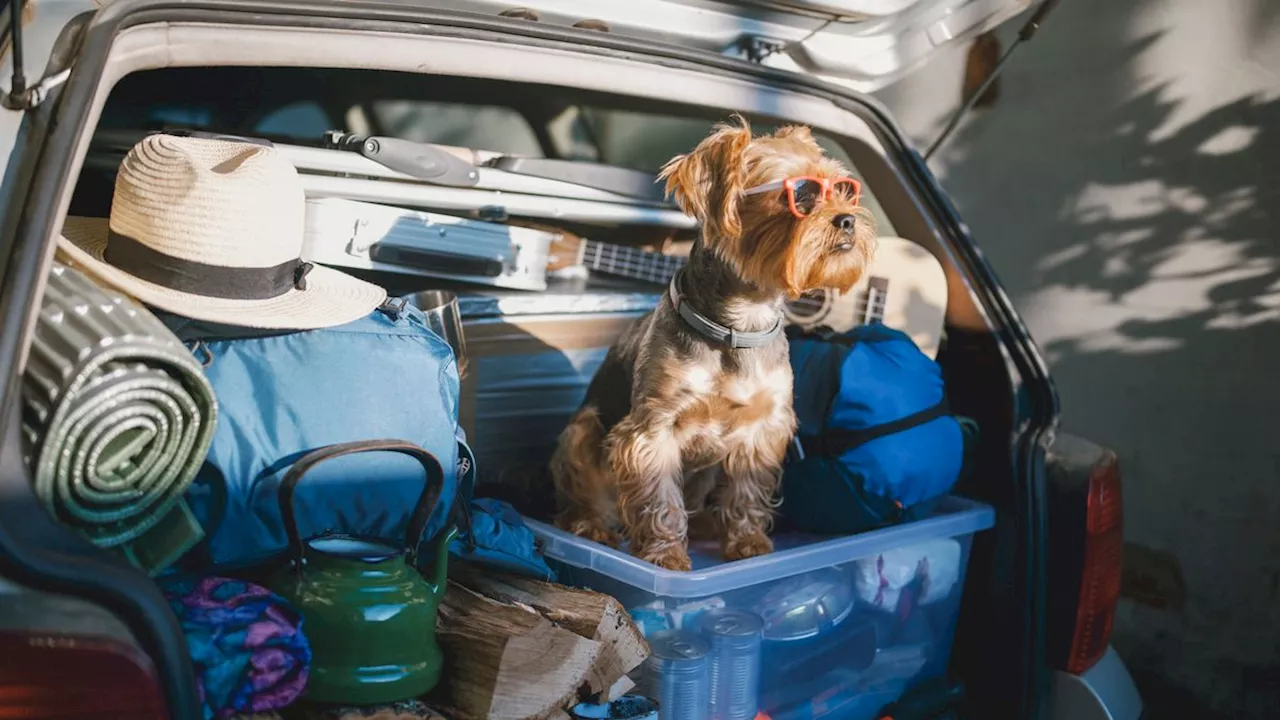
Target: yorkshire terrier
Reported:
[(690, 415)]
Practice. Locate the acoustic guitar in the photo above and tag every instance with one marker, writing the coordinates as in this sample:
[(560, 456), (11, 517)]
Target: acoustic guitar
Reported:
[(904, 288)]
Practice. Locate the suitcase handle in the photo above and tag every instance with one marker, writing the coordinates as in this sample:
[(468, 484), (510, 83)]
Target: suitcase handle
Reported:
[(415, 159), (623, 181), (435, 261)]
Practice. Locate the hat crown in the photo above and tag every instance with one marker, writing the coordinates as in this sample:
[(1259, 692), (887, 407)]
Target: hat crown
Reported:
[(215, 202)]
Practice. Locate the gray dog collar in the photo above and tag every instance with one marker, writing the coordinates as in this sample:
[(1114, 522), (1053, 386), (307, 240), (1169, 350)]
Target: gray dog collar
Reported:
[(714, 330)]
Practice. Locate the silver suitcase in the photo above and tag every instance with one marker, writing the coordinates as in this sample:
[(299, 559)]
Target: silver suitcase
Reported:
[(368, 236), (493, 193), (496, 204)]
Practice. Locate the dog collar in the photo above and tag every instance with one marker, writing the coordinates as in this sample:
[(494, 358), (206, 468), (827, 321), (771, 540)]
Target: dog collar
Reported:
[(714, 330)]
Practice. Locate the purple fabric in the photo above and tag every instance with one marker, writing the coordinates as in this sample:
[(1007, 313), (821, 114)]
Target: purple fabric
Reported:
[(246, 644)]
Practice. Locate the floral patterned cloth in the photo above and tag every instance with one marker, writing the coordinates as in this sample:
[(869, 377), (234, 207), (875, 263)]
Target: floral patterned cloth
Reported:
[(246, 644)]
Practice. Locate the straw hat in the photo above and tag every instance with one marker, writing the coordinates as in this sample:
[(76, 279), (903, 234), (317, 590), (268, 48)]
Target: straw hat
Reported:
[(213, 230)]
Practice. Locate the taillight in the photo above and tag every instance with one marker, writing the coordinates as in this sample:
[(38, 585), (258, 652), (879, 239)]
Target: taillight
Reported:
[(1086, 547), (47, 676)]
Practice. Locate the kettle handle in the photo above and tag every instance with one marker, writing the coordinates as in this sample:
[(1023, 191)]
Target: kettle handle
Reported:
[(421, 513)]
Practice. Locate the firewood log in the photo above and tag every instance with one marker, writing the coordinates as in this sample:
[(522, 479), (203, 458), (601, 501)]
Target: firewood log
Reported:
[(592, 615), (505, 661), (615, 691)]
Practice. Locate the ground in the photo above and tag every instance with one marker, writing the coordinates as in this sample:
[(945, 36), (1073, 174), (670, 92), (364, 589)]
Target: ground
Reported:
[(1125, 187)]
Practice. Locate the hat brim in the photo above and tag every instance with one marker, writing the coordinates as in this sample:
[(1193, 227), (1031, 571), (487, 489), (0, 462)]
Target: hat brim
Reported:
[(331, 298)]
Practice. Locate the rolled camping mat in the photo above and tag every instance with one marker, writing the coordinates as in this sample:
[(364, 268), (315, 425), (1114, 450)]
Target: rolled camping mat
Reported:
[(117, 419)]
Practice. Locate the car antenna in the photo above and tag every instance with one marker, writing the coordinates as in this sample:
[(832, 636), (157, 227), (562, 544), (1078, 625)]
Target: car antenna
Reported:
[(1026, 33)]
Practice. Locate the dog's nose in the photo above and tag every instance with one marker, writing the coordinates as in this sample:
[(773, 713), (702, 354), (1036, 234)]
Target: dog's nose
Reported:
[(845, 222)]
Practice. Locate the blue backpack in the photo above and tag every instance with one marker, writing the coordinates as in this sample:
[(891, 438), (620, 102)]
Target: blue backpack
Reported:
[(876, 442), (280, 396)]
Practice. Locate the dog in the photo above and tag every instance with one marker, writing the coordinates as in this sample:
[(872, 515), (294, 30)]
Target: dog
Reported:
[(690, 415)]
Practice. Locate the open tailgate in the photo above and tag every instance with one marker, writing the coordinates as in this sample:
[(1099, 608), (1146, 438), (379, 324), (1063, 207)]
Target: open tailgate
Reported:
[(862, 44)]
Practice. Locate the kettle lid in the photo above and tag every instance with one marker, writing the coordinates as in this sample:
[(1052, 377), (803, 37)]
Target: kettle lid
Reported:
[(352, 548)]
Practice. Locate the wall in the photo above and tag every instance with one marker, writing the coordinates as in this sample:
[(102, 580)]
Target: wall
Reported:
[(1126, 187)]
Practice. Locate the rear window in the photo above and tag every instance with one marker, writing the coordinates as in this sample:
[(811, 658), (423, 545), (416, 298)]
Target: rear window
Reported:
[(300, 105), (488, 127)]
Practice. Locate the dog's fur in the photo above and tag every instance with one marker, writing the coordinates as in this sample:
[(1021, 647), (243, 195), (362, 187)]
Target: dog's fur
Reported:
[(676, 427)]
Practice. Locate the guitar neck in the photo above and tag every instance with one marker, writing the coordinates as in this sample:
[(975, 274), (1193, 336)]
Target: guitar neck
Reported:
[(868, 302), (877, 296), (629, 262)]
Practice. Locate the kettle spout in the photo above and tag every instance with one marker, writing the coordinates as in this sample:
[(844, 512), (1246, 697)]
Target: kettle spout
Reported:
[(440, 573)]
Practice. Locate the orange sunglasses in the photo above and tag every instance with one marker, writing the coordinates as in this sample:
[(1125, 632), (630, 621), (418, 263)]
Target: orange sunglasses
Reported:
[(805, 192)]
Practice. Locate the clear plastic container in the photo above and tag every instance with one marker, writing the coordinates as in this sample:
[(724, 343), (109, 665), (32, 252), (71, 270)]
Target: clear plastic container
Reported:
[(849, 622)]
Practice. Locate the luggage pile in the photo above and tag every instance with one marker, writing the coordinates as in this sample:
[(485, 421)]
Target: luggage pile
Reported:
[(321, 390)]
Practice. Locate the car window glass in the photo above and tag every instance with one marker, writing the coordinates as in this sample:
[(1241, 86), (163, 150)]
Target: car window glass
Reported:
[(494, 128), (645, 141), (302, 120), (196, 117)]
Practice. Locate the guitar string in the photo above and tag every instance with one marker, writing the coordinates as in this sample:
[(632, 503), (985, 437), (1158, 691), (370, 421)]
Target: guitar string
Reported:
[(631, 262), (624, 260), (638, 261)]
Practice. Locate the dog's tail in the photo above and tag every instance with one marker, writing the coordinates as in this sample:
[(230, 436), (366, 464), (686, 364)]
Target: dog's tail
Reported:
[(578, 464)]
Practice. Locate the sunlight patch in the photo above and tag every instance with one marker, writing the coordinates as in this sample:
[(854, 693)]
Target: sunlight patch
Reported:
[(1063, 257), (1229, 140), (1135, 201)]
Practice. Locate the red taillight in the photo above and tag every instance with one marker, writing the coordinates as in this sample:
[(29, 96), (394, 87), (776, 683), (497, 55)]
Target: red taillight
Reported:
[(1100, 575), (46, 676)]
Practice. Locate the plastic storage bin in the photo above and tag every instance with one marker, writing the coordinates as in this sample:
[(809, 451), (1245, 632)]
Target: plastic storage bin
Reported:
[(849, 622)]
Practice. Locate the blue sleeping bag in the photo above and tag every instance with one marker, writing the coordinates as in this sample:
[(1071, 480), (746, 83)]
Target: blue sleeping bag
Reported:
[(280, 396), (877, 442), (492, 533)]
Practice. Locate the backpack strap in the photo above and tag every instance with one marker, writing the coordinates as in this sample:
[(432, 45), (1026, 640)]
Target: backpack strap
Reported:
[(833, 442)]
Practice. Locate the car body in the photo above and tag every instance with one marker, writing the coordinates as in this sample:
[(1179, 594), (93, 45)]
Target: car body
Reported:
[(1023, 622)]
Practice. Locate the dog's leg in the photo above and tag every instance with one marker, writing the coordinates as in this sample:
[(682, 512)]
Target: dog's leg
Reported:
[(583, 480), (699, 501), (645, 459), (744, 500)]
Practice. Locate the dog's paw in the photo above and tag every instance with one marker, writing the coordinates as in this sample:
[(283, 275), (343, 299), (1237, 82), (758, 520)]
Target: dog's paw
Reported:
[(747, 546), (675, 558), (591, 528), (593, 531), (602, 536)]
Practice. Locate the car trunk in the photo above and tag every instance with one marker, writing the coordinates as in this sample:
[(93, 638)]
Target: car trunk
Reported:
[(532, 354)]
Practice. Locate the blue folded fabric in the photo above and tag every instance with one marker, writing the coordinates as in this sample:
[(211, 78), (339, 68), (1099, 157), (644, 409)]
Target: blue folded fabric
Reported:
[(246, 644), (496, 537)]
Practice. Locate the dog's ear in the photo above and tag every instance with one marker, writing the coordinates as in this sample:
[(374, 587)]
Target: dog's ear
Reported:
[(708, 182), (799, 134), (796, 132)]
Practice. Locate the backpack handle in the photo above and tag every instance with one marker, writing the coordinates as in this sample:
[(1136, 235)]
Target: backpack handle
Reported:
[(833, 442), (421, 513)]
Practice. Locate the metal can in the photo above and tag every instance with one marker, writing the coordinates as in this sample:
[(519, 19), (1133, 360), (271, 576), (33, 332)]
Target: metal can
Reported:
[(676, 675), (733, 661)]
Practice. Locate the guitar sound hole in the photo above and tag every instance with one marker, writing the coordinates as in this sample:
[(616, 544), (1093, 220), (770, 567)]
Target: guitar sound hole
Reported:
[(810, 308)]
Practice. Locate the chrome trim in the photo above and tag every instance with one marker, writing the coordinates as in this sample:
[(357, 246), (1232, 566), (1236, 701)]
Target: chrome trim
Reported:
[(1104, 692)]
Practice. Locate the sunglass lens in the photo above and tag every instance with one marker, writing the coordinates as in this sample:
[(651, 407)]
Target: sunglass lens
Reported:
[(807, 195), (846, 190)]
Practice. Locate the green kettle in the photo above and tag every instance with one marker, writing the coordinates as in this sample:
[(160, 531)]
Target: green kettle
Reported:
[(368, 613)]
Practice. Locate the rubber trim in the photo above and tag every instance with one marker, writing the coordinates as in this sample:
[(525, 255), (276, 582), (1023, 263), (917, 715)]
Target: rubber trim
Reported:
[(35, 551)]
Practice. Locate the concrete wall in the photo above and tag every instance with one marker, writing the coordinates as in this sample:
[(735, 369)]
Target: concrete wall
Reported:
[(1126, 187)]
